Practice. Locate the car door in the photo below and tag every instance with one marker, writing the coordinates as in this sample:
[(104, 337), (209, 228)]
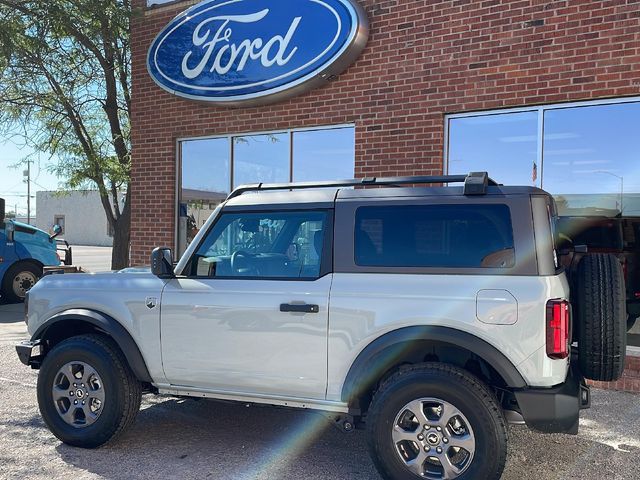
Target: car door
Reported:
[(251, 315)]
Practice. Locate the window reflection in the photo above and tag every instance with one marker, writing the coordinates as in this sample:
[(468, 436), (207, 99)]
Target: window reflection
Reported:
[(592, 159), (324, 155), (206, 182), (208, 166), (505, 145), (261, 158)]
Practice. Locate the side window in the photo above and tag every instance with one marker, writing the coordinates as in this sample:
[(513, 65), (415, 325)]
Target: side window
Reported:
[(444, 236), (272, 245)]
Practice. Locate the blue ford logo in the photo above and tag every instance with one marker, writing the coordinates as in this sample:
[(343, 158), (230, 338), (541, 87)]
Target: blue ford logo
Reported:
[(251, 52)]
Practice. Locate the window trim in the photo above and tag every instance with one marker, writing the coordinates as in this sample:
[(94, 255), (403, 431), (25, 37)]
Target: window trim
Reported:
[(229, 137), (540, 109), (326, 262)]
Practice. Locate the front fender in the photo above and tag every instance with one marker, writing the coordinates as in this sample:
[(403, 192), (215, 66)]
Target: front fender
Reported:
[(55, 327)]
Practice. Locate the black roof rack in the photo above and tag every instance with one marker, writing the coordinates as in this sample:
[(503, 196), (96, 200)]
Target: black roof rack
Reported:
[(475, 183)]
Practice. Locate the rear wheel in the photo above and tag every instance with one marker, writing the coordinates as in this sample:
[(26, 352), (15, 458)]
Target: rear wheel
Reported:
[(19, 279), (436, 421), (600, 308), (86, 392)]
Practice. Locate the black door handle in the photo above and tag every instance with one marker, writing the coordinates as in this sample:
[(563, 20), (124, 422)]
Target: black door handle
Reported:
[(299, 308)]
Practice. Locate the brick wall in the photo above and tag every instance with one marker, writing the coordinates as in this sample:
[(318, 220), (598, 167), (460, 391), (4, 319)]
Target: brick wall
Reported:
[(425, 59)]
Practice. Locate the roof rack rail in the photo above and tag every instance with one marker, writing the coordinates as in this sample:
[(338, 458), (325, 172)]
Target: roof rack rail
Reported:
[(475, 183)]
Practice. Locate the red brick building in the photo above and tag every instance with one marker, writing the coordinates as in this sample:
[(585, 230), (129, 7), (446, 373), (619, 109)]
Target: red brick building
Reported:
[(536, 92)]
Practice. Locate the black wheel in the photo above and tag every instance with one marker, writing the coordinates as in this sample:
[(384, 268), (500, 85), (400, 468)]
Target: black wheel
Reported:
[(86, 391), (601, 316), (436, 421), (18, 281)]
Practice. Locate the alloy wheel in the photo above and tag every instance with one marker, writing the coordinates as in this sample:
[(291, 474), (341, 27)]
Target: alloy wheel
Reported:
[(433, 439), (78, 394)]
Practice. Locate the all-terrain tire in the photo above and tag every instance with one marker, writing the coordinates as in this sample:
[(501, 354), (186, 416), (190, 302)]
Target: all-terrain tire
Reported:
[(122, 390), (26, 274), (600, 312), (450, 384)]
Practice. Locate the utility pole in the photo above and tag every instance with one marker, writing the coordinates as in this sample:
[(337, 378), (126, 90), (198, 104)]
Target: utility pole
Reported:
[(27, 174)]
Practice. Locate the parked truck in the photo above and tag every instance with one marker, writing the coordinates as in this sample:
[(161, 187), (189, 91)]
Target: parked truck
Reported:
[(24, 252)]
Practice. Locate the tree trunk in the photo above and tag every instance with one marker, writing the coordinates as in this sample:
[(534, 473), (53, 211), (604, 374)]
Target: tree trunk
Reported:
[(122, 238)]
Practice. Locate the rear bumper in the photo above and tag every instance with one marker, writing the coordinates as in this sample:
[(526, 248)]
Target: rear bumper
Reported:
[(556, 409)]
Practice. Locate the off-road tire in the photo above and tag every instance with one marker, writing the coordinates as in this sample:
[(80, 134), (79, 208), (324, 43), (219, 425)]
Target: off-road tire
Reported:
[(600, 313), (7, 282), (123, 392), (454, 385)]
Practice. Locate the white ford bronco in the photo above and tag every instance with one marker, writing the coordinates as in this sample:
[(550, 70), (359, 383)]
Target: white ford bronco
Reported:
[(433, 317)]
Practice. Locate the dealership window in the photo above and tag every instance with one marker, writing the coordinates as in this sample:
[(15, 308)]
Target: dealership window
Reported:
[(586, 154), (212, 167)]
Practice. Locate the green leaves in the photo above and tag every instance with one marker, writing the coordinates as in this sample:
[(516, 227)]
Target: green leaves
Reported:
[(64, 85)]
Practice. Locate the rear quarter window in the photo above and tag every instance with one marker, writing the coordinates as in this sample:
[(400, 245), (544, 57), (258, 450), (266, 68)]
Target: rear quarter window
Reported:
[(444, 236)]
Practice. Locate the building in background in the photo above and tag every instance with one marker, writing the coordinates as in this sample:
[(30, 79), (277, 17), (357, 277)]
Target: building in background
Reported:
[(543, 94), (79, 213)]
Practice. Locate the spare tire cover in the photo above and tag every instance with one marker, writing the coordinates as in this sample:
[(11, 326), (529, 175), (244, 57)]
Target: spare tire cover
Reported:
[(600, 311)]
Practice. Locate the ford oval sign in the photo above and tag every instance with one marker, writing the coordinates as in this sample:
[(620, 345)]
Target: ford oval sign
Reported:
[(252, 52)]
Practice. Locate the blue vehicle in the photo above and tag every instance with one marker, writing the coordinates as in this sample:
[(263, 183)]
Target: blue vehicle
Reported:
[(24, 252)]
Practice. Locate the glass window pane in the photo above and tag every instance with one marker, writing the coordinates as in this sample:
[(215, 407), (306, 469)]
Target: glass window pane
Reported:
[(505, 145), (324, 154), (462, 236), (592, 159), (206, 181), (263, 245), (261, 159)]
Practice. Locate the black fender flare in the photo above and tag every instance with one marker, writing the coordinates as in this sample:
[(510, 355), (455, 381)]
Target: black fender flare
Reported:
[(379, 355), (109, 326)]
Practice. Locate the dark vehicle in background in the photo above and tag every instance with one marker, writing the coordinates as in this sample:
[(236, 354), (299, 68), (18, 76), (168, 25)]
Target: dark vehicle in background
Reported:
[(618, 236)]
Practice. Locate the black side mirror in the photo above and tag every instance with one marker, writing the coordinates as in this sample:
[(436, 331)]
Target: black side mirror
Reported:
[(162, 263), (2, 210)]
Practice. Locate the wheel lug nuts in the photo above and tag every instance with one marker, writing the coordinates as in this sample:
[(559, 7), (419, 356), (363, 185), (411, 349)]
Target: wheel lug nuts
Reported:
[(82, 385), (75, 384), (421, 437), (439, 450), (427, 427), (71, 393), (427, 448), (445, 440), (83, 402), (75, 402)]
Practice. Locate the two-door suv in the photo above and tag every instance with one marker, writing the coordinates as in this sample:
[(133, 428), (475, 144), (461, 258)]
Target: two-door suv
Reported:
[(431, 316)]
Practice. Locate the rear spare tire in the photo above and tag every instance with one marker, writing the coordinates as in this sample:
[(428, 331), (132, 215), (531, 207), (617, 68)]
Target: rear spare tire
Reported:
[(600, 307)]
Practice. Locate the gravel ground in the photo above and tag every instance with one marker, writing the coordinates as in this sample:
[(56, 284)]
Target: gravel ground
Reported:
[(202, 439)]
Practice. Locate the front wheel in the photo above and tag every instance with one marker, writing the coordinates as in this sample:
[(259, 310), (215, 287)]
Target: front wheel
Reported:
[(436, 421), (86, 391)]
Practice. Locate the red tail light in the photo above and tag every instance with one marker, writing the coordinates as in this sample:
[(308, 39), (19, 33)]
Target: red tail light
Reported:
[(558, 329)]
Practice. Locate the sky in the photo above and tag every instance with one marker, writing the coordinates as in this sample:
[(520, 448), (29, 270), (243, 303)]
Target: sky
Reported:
[(12, 187)]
